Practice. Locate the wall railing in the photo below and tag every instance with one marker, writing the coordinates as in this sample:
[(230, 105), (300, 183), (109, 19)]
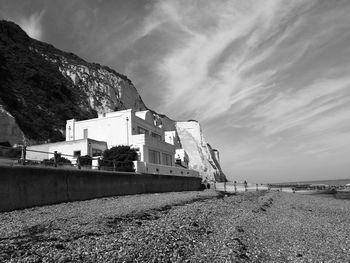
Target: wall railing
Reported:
[(15, 156), (235, 187)]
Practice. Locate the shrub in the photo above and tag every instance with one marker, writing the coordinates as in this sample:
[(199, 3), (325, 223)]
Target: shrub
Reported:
[(11, 152), (123, 157), (60, 160), (85, 160)]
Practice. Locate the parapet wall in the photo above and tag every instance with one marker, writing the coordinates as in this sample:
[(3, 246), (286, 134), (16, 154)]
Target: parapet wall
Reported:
[(24, 187), (150, 168)]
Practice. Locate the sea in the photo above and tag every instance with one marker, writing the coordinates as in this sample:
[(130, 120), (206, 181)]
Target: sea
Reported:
[(337, 182)]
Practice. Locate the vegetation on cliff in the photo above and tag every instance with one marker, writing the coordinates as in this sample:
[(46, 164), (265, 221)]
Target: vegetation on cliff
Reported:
[(33, 90)]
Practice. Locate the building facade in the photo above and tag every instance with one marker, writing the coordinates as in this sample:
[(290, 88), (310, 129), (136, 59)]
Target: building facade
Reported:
[(158, 150), (135, 129)]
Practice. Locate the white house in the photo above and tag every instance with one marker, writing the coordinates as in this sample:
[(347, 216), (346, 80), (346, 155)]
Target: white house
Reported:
[(156, 148), (126, 127)]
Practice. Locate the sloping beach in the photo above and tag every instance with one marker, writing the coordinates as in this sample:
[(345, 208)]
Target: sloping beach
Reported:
[(181, 227)]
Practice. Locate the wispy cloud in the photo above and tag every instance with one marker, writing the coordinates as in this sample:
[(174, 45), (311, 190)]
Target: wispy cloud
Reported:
[(197, 67), (260, 70), (32, 25), (289, 109)]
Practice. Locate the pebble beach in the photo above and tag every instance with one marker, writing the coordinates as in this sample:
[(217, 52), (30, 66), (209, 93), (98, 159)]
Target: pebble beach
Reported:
[(181, 227)]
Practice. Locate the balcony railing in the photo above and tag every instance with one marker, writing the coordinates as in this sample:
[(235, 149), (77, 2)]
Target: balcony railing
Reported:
[(151, 141)]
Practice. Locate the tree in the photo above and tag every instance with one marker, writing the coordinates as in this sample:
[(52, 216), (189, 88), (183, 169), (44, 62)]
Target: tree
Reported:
[(120, 157), (10, 152), (60, 160), (85, 160)]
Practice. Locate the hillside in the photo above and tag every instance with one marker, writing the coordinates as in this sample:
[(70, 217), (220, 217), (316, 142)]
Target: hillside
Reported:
[(41, 87), (33, 90)]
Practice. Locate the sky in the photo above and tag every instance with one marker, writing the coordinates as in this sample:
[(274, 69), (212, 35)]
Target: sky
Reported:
[(268, 80)]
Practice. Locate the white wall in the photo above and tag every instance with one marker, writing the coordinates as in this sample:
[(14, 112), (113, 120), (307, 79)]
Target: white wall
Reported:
[(183, 156), (170, 137), (70, 130), (63, 148), (173, 138), (113, 129), (142, 167), (145, 143), (146, 124)]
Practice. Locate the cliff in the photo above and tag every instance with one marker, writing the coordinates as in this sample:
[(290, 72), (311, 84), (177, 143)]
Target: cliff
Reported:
[(10, 131), (42, 87), (200, 153)]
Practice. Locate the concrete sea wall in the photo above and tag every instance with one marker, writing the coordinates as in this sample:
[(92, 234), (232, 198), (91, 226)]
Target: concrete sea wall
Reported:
[(24, 187), (343, 194)]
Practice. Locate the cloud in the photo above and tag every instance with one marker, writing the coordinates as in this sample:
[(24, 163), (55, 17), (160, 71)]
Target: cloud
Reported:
[(268, 79), (213, 53), (32, 25), (289, 109)]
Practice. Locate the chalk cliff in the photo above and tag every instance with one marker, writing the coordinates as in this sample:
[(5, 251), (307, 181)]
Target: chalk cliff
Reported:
[(44, 86), (201, 155)]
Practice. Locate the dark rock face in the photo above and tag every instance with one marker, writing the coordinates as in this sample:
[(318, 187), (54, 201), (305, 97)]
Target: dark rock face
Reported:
[(33, 90), (11, 33)]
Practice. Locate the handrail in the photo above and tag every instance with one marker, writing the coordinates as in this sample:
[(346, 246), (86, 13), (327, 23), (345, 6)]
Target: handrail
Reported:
[(22, 152)]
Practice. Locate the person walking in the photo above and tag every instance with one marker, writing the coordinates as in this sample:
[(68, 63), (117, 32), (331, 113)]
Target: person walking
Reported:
[(245, 185)]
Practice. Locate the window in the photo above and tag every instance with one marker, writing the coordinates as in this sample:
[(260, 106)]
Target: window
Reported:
[(85, 133), (154, 156), (167, 160), (76, 153), (141, 130), (69, 132), (96, 152), (157, 136)]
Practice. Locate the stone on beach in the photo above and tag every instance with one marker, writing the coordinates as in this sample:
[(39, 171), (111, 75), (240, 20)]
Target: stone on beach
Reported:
[(181, 227)]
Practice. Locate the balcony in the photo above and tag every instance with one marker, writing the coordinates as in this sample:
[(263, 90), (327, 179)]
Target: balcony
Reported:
[(143, 139)]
